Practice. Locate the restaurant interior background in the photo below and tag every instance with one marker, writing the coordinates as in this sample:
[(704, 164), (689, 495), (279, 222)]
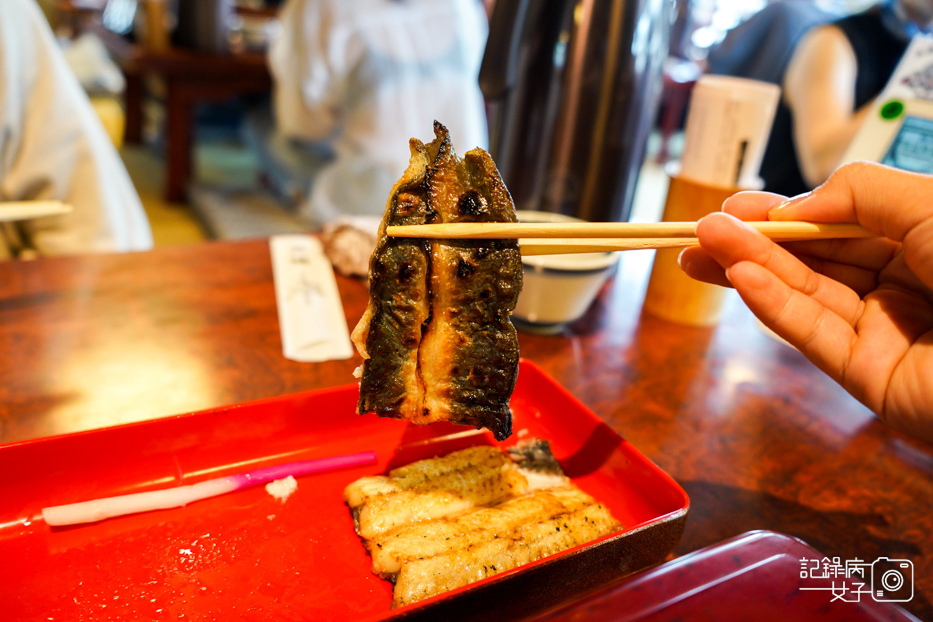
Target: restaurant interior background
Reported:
[(233, 188), (758, 438)]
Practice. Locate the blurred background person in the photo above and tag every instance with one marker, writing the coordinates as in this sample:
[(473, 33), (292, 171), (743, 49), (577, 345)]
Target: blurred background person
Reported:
[(830, 70), (363, 77), (53, 147)]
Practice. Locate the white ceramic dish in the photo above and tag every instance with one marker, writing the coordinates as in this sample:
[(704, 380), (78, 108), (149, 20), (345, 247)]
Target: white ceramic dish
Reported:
[(558, 289)]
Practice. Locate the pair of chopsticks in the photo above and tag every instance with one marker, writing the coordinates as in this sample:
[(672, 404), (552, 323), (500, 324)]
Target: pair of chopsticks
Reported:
[(585, 237), (11, 211)]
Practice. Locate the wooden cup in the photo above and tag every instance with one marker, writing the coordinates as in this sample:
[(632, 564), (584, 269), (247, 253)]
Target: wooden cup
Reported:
[(156, 34), (672, 294)]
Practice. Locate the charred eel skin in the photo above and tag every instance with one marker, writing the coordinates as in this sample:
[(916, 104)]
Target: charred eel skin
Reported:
[(389, 334), (437, 341)]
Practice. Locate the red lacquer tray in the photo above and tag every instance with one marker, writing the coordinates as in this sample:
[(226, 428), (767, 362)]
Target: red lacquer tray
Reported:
[(754, 576), (246, 556)]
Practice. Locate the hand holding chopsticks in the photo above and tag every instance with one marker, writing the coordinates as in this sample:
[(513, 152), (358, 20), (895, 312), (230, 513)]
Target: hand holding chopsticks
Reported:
[(861, 312), (585, 237)]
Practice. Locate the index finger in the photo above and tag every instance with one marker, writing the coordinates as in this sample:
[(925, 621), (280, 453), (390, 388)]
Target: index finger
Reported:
[(886, 200), (751, 205)]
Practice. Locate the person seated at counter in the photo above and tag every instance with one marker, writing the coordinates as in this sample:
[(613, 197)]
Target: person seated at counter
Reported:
[(829, 81), (364, 76), (861, 310), (53, 147)]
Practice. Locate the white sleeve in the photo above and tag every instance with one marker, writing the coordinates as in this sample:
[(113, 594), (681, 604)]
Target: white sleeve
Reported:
[(53, 146), (304, 97)]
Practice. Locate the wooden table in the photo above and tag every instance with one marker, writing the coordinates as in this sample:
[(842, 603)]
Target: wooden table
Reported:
[(755, 434), (191, 78)]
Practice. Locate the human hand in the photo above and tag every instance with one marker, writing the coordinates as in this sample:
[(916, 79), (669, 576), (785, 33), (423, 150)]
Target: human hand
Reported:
[(860, 309)]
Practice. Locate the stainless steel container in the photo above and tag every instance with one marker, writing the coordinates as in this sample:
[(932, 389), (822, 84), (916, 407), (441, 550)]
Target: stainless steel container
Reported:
[(572, 88)]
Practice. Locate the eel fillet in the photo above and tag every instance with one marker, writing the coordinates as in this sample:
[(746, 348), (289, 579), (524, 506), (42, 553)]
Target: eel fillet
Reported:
[(441, 523), (436, 338)]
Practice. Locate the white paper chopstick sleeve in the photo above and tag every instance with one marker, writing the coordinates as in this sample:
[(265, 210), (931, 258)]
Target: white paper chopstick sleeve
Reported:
[(311, 318)]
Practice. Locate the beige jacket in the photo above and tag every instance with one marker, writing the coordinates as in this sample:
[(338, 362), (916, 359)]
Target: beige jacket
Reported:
[(53, 146)]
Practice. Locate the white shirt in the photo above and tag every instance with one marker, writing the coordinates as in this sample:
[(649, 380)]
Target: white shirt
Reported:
[(53, 147), (368, 75)]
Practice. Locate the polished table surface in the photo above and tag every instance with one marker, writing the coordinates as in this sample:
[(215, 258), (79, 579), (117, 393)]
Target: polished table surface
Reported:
[(755, 434)]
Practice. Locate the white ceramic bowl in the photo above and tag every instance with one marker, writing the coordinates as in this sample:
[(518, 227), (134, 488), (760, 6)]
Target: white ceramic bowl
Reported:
[(558, 289)]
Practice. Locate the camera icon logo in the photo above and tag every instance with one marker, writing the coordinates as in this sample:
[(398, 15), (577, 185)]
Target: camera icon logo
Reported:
[(892, 580)]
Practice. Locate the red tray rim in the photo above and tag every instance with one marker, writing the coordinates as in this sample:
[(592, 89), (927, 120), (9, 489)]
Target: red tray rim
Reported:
[(628, 530)]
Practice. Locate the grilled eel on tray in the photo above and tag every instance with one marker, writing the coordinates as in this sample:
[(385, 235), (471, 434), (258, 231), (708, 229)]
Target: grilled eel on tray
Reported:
[(436, 338), (441, 523)]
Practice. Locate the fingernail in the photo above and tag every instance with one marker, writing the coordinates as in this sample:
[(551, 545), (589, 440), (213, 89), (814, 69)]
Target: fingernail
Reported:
[(775, 212), (680, 259), (728, 278)]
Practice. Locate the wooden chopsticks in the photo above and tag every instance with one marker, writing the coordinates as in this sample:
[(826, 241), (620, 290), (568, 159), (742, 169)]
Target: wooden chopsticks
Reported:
[(24, 210), (585, 237), (565, 246), (490, 230)]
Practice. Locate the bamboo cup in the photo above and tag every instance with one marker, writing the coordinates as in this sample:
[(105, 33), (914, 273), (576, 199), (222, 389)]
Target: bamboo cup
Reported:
[(672, 294), (156, 34)]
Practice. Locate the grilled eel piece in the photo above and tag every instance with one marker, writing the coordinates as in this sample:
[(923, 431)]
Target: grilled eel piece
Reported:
[(445, 522), (445, 534), (436, 338), (432, 489), (524, 543)]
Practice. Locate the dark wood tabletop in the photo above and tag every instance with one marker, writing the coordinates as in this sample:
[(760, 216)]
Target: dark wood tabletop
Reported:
[(755, 434)]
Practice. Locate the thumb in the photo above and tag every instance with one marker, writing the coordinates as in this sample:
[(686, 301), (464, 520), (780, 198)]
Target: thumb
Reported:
[(888, 201)]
